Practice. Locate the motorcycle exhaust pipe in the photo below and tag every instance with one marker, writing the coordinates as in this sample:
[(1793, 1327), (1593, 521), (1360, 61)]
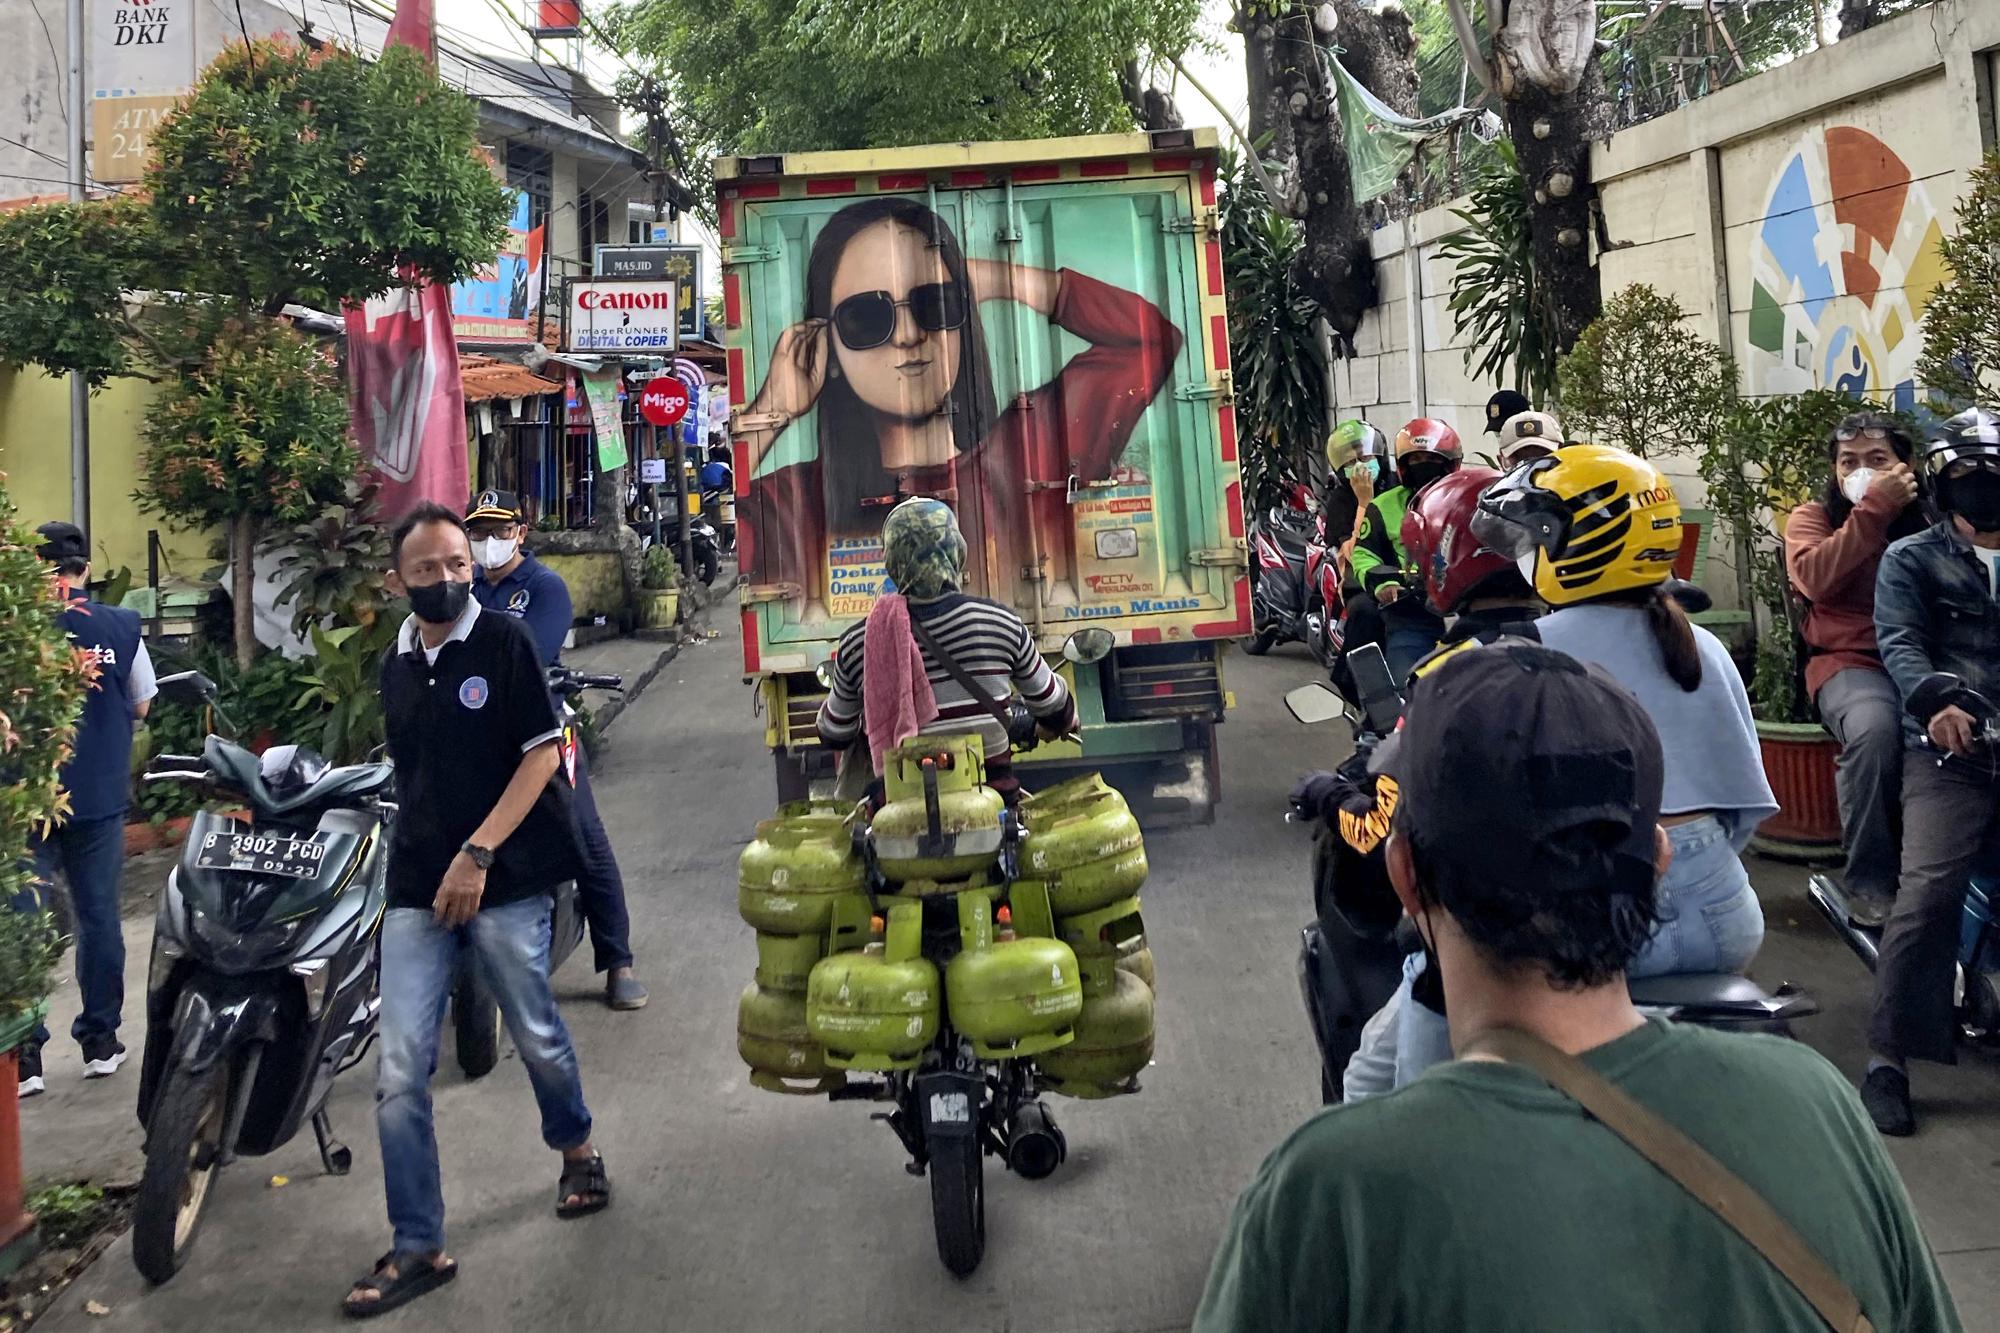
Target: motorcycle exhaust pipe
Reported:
[(1035, 1147)]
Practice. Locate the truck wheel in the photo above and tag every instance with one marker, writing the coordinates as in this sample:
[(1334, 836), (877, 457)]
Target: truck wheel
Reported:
[(958, 1202), (475, 1026), (183, 1156)]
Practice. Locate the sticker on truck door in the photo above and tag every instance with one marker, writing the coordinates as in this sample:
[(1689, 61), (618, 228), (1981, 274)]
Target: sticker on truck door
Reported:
[(888, 371), (1117, 543)]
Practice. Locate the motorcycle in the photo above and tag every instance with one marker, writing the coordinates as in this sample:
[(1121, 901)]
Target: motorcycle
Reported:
[(1975, 998), (1280, 594), (263, 983), (475, 1014), (1351, 955), (1325, 627)]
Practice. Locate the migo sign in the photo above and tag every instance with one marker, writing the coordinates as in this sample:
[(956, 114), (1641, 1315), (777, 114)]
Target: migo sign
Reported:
[(640, 316)]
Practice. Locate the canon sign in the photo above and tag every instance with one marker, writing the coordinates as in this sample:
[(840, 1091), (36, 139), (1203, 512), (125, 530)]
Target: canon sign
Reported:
[(611, 315)]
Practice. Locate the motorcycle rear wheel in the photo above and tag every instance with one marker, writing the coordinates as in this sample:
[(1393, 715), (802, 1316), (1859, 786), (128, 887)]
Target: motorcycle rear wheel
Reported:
[(183, 1155), (1261, 642), (958, 1202), (475, 1026)]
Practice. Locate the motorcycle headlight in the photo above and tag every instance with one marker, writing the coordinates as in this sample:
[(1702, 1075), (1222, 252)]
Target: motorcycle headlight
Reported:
[(166, 952), (242, 951)]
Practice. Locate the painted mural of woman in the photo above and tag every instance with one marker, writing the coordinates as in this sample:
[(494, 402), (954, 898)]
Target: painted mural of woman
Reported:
[(891, 353)]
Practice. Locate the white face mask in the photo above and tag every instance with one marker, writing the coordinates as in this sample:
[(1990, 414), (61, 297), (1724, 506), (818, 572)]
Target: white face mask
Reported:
[(1855, 484), (493, 552)]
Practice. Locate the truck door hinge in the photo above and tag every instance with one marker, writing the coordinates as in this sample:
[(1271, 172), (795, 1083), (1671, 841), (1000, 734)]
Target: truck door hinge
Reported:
[(1219, 387), (771, 592), (1235, 555), (1201, 220), (749, 254)]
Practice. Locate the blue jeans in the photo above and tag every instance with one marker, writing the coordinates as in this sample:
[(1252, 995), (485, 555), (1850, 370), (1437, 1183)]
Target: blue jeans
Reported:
[(600, 889), (1405, 645), (418, 959), (90, 855)]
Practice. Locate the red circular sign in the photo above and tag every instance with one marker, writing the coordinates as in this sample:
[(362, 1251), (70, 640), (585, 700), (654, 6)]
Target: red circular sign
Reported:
[(664, 401)]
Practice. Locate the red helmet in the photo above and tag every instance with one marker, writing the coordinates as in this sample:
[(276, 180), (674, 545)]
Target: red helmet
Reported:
[(1428, 435), (1437, 535)]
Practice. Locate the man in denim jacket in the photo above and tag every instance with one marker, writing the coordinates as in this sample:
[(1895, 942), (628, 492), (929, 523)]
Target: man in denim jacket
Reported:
[(1936, 612)]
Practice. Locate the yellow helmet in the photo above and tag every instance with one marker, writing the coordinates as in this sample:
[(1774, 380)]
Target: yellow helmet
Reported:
[(1584, 522)]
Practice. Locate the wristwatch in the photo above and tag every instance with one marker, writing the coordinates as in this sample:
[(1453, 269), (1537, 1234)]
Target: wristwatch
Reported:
[(481, 856)]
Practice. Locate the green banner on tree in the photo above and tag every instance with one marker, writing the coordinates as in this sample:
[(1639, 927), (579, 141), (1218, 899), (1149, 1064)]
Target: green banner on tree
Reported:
[(1382, 142)]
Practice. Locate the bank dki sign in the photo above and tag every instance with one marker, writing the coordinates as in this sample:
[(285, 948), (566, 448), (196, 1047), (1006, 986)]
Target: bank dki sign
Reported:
[(639, 317)]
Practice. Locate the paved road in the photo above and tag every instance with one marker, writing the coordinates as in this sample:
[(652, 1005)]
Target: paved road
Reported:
[(741, 1210)]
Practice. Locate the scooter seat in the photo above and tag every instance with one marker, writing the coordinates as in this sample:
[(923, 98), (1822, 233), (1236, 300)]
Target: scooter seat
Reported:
[(244, 770), (1718, 994)]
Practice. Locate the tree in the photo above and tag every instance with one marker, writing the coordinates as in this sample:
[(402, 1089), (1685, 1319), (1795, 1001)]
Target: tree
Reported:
[(286, 175), (1497, 296), (1962, 326), (1641, 378)]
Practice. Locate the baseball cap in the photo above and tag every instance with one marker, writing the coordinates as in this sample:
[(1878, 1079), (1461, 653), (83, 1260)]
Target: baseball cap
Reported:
[(494, 504), (1530, 427), (1502, 405), (1506, 746), (62, 541)]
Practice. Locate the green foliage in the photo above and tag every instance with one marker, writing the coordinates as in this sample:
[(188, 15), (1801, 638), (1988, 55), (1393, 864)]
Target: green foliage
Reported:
[(334, 562), (1962, 327), (259, 429), (658, 569), (1273, 344), (771, 76), (64, 269), (68, 1215), (1496, 298), (1641, 377), (42, 684), (343, 686), (318, 176)]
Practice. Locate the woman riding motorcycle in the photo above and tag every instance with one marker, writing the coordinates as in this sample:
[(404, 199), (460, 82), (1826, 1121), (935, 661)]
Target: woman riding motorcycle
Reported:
[(891, 676)]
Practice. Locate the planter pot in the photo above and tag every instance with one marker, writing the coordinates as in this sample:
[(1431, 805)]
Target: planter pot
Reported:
[(143, 835), (659, 608), (1799, 761), (17, 1225)]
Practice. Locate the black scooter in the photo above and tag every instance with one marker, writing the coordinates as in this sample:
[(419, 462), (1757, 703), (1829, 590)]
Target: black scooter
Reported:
[(1351, 956), (263, 983), (475, 1014)]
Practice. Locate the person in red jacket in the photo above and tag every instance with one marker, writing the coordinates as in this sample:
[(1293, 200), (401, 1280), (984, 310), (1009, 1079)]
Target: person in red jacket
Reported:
[(1832, 546), (891, 361)]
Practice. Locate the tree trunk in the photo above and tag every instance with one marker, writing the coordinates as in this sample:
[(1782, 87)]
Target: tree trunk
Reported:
[(1152, 108), (1552, 134), (242, 589)]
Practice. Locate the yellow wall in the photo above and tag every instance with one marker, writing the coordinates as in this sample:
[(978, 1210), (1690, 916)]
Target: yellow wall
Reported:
[(596, 581), (34, 453)]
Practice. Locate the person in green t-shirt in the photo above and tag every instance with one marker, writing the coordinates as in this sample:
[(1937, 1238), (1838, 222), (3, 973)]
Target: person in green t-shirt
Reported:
[(1525, 847)]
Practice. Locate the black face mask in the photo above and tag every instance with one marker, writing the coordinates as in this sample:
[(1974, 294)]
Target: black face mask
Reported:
[(1421, 472), (1976, 499), (440, 603)]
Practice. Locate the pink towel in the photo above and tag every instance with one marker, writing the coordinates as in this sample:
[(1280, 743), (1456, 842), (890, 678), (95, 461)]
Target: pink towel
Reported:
[(896, 697)]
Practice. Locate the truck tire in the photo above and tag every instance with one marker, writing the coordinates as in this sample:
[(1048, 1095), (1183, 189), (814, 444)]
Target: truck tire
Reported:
[(183, 1151)]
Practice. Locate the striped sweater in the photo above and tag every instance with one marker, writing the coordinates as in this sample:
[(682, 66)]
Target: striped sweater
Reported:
[(988, 642)]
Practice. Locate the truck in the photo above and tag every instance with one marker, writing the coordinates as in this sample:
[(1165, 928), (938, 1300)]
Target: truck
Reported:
[(1034, 332)]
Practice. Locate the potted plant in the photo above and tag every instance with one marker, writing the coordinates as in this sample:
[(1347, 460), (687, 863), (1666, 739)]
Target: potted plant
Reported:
[(659, 595), (42, 679), (1771, 458)]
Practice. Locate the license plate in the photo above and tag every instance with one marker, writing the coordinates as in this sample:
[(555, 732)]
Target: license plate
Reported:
[(256, 853)]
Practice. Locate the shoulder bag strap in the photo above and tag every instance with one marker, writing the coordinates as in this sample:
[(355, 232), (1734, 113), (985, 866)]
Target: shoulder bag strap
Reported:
[(1692, 1167), (958, 673)]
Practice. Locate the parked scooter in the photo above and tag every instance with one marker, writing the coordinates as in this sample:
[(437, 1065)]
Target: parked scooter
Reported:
[(1976, 1000), (1351, 956), (475, 1014), (1279, 591), (263, 983)]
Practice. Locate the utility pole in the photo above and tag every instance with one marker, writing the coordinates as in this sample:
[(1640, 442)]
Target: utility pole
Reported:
[(79, 388)]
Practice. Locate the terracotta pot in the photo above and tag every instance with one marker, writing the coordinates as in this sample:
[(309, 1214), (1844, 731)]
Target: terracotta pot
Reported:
[(143, 835), (1799, 761), (17, 1224)]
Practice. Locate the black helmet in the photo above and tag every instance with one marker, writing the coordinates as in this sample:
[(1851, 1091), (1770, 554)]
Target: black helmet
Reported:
[(290, 769), (1972, 435)]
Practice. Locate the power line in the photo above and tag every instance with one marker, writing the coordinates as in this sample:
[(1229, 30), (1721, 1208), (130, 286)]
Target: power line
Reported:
[(51, 157), (61, 107)]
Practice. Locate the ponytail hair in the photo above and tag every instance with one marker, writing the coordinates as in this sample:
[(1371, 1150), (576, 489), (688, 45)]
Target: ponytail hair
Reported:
[(1674, 634)]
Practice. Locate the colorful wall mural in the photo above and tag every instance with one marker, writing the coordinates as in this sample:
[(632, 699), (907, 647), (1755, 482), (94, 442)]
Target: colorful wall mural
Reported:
[(1843, 266)]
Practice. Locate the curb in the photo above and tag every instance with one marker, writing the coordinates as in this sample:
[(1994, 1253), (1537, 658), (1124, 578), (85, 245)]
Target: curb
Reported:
[(611, 711)]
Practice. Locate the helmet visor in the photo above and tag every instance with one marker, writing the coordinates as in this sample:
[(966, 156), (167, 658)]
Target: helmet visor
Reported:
[(1517, 518)]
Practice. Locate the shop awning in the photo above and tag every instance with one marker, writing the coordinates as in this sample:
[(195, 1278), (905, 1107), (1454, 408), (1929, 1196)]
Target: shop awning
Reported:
[(486, 378)]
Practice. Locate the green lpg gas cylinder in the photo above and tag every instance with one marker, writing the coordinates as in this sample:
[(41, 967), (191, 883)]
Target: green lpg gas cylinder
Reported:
[(1139, 962), (784, 962), (870, 1013), (1015, 997), (1083, 840), (939, 822), (801, 860), (1114, 1041), (772, 1038)]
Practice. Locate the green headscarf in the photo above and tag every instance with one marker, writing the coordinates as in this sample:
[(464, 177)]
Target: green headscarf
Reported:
[(923, 548)]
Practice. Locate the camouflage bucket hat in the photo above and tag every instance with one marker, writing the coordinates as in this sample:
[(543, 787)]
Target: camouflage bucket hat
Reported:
[(923, 548)]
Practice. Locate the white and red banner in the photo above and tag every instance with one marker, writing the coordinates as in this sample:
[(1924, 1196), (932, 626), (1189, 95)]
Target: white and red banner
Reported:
[(402, 364)]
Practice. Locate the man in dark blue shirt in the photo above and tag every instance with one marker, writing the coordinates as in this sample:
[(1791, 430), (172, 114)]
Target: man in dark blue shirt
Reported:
[(514, 583), (88, 847)]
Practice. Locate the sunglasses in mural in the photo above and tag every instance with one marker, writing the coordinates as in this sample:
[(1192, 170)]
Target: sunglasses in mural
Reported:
[(868, 319)]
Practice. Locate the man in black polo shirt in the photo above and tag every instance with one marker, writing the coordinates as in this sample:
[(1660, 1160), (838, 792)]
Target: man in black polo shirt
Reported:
[(483, 833)]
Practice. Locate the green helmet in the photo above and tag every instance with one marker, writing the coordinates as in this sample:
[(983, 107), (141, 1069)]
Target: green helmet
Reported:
[(923, 548), (1353, 441)]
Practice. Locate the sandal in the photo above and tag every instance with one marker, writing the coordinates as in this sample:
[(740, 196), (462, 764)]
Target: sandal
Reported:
[(416, 1275), (588, 1182)]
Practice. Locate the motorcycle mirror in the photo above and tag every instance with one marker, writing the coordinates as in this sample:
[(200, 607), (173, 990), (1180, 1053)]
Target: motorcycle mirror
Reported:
[(1087, 646), (187, 687), (1316, 703)]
